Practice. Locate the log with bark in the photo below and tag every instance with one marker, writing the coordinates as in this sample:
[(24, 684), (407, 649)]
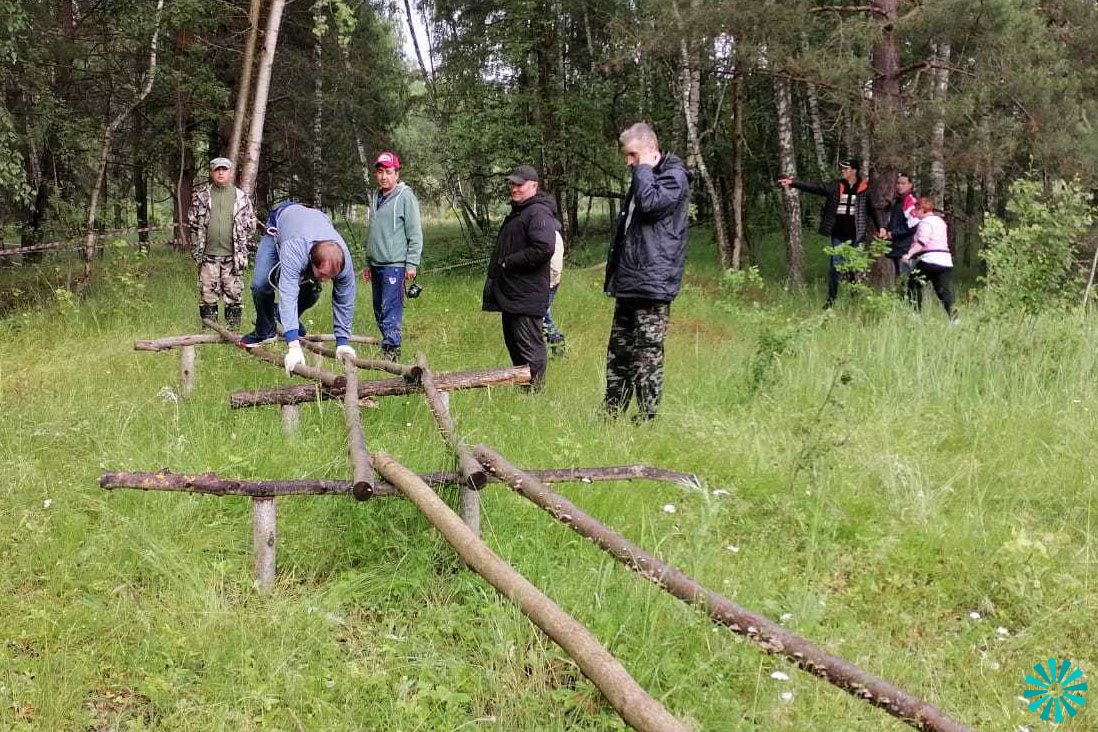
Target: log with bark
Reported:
[(455, 381), (362, 483), (214, 485), (373, 364), (473, 474), (165, 344), (765, 633), (632, 703), (330, 380)]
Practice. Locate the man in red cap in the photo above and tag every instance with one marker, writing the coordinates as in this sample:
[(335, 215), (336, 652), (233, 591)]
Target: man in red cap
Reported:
[(394, 246)]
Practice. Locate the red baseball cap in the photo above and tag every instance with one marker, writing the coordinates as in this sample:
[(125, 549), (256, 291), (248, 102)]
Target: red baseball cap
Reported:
[(387, 160)]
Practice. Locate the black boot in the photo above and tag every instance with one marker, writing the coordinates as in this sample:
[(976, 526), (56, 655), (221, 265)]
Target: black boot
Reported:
[(207, 311), (233, 313)]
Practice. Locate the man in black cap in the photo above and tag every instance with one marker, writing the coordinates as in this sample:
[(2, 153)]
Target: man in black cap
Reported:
[(518, 272), (847, 216)]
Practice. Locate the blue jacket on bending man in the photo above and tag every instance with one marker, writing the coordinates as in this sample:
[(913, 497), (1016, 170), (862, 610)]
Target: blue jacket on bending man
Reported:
[(300, 251)]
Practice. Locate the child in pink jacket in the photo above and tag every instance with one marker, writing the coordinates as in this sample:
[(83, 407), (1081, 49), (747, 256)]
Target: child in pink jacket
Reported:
[(930, 257)]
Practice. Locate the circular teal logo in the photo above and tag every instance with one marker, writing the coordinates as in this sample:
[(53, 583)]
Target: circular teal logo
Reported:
[(1056, 691)]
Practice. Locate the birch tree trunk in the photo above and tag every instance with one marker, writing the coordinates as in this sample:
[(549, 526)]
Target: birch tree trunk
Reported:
[(244, 86), (318, 102), (690, 99), (259, 105), (937, 133), (787, 158), (739, 108), (105, 150)]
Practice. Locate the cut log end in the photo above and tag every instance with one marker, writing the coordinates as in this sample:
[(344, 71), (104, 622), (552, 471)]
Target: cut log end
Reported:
[(362, 490)]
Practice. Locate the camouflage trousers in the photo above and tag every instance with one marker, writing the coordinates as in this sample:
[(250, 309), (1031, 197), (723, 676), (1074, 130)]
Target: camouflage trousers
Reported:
[(216, 280), (634, 356)]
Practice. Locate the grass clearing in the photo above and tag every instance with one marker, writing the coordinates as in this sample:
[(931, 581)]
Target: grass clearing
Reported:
[(874, 478)]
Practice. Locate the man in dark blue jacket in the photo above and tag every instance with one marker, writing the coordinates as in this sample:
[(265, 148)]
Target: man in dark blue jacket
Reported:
[(644, 271)]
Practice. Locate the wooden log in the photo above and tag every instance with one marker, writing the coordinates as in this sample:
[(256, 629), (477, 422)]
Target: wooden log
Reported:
[(214, 485), (362, 482), (474, 474), (632, 703), (324, 377), (263, 543), (454, 381), (291, 419), (763, 632), (164, 344), (468, 495), (187, 373), (373, 364)]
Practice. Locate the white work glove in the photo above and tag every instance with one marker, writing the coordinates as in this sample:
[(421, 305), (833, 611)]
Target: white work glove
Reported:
[(294, 357), (345, 351)]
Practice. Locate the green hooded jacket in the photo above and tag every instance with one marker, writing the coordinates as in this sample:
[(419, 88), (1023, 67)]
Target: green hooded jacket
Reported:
[(395, 236)]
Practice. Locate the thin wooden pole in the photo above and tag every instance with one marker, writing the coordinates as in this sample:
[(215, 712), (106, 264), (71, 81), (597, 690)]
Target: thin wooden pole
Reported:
[(187, 372), (263, 543), (324, 377), (763, 632), (380, 387), (398, 369), (362, 483), (214, 485), (632, 703)]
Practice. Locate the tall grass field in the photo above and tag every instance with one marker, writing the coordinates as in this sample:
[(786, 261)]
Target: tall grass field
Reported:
[(914, 497)]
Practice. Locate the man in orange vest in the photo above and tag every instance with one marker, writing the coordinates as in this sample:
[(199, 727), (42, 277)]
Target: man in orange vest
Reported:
[(847, 216)]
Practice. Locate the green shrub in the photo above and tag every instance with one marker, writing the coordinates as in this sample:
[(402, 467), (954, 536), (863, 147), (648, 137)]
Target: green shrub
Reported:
[(1031, 255)]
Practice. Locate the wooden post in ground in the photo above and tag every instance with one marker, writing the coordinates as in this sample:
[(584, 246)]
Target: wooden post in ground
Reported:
[(263, 543), (291, 419), (630, 701), (468, 496), (187, 375), (763, 632)]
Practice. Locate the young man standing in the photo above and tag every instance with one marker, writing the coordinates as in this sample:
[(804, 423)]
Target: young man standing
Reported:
[(644, 271), (394, 247), (847, 216), (221, 220)]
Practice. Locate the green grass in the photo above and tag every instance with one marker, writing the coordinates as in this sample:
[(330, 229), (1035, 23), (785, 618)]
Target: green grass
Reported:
[(881, 476)]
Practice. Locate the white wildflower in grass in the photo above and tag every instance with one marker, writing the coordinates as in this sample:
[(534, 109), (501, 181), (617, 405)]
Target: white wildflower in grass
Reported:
[(1002, 632), (786, 617), (47, 503), (787, 696), (733, 548), (669, 508), (779, 676), (407, 424), (168, 394), (974, 615), (720, 492)]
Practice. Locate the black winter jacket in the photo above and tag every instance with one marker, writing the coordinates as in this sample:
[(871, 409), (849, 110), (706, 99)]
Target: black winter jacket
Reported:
[(646, 261), (518, 272), (866, 218)]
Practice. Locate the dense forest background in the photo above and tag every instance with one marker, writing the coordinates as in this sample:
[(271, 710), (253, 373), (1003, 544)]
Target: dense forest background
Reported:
[(969, 95)]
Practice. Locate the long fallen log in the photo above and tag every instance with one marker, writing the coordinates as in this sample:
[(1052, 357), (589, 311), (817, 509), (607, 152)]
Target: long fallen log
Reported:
[(474, 474), (214, 485), (453, 381), (632, 703), (373, 364), (362, 484), (765, 633), (165, 344), (309, 372)]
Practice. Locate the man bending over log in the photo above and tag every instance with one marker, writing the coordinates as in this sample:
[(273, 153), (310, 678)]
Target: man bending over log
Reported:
[(300, 251)]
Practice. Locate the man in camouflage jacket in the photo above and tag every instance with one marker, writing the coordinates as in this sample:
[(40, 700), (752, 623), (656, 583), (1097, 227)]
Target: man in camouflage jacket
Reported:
[(221, 220)]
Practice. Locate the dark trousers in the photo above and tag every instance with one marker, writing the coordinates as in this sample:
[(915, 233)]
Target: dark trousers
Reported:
[(941, 278), (388, 290), (522, 334), (548, 326), (634, 356)]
